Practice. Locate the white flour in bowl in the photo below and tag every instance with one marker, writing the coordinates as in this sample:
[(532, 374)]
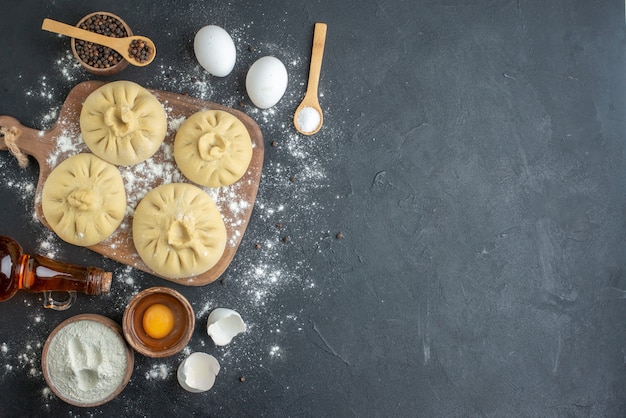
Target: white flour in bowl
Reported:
[(86, 361)]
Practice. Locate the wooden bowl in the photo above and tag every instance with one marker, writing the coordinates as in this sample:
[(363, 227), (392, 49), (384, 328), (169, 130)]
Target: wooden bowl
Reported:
[(101, 71), (46, 362), (172, 343)]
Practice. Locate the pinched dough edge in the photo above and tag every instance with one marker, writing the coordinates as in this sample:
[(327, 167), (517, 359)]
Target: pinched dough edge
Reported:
[(178, 231), (123, 123), (84, 200), (213, 148)]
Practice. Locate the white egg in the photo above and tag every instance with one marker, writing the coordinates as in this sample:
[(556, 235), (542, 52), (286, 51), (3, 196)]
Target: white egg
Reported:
[(266, 82), (197, 372), (215, 50), (223, 325)]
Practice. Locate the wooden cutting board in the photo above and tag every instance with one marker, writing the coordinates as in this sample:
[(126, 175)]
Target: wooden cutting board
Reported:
[(235, 202)]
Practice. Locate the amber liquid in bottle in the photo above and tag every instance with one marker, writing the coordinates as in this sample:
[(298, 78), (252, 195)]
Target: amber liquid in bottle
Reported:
[(36, 273)]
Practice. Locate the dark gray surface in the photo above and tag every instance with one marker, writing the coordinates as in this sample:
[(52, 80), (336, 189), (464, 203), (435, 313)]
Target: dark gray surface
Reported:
[(473, 159)]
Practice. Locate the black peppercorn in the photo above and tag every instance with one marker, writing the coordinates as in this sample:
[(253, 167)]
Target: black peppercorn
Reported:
[(140, 51), (95, 55)]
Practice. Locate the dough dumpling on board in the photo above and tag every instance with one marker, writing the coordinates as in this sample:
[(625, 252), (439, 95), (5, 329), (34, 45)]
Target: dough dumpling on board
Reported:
[(178, 231), (213, 148), (123, 123), (84, 200)]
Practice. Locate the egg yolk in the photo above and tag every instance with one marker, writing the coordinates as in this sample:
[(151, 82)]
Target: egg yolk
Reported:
[(158, 321)]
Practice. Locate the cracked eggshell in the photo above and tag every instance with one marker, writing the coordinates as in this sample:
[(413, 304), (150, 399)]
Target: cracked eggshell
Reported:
[(224, 324), (197, 372), (266, 82), (215, 50)]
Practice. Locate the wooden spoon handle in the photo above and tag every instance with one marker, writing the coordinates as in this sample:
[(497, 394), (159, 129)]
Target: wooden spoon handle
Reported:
[(319, 39), (75, 32)]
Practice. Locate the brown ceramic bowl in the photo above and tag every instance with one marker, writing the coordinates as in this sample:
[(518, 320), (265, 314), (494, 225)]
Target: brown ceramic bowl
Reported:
[(101, 71), (172, 343), (48, 369)]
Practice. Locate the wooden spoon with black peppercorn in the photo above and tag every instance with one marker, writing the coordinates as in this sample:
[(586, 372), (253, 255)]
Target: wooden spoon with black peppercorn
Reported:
[(137, 50)]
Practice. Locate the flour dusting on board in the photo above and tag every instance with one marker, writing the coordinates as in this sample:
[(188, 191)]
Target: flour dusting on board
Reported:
[(285, 213), (142, 177)]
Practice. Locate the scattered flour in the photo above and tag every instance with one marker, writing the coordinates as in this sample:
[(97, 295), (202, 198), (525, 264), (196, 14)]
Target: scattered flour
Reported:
[(48, 243), (158, 372), (174, 124), (294, 172), (275, 351)]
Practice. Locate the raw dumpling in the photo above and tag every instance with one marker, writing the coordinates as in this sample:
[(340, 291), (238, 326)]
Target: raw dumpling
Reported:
[(84, 200), (213, 148), (123, 123), (178, 231)]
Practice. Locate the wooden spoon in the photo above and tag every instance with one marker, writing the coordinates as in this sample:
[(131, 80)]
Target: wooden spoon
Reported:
[(301, 120), (121, 45)]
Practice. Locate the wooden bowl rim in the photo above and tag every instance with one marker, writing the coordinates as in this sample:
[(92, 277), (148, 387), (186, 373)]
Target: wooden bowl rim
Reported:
[(102, 71), (109, 323), (131, 335)]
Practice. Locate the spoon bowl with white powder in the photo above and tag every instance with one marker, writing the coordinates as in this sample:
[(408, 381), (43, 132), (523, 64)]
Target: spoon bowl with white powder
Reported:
[(309, 118)]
